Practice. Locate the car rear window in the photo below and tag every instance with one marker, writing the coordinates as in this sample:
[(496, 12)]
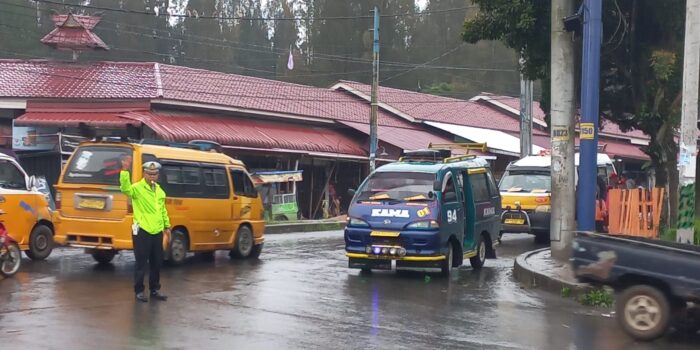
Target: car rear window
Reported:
[(96, 165)]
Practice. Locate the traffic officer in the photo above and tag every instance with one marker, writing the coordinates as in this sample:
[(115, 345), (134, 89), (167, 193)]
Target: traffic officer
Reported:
[(151, 223)]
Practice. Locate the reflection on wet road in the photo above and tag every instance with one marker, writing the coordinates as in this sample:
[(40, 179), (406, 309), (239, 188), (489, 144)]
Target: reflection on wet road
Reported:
[(299, 295)]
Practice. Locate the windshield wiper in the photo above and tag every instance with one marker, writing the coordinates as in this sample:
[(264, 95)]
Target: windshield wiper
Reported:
[(417, 198)]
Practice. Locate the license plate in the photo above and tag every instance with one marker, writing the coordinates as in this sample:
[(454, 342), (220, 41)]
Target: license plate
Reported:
[(384, 234), (514, 221), (90, 203)]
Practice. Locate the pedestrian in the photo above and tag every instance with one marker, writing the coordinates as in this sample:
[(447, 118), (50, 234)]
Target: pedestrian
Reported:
[(151, 223)]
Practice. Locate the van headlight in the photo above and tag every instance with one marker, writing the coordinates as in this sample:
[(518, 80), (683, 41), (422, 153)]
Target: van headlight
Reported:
[(543, 209), (355, 222), (423, 225)]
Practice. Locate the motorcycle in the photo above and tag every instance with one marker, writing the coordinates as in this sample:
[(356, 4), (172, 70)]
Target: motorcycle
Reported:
[(10, 255)]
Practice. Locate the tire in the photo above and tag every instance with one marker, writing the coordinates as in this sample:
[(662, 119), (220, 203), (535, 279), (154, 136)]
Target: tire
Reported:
[(542, 237), (478, 261), (103, 256), (12, 261), (40, 243), (644, 312), (446, 266), (244, 243), (177, 248), (255, 253)]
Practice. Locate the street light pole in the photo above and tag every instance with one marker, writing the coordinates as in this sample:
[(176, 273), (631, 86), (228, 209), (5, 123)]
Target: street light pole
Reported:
[(590, 93), (375, 87), (689, 121)]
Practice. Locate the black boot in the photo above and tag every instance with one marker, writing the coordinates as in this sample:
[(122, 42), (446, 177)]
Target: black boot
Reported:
[(142, 298), (158, 296)]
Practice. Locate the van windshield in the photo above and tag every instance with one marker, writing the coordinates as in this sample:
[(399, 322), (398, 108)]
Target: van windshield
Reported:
[(397, 186), (526, 183), (10, 176), (96, 165)]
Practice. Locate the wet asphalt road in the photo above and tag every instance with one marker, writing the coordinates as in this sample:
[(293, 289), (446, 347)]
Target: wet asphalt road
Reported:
[(299, 295)]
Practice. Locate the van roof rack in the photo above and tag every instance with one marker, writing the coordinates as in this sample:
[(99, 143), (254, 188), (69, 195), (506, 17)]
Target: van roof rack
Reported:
[(169, 144), (468, 146), (426, 155)]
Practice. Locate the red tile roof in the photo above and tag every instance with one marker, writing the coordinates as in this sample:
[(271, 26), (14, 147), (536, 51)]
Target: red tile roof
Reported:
[(152, 81), (74, 32), (249, 133), (624, 150), (426, 107), (87, 22), (405, 138)]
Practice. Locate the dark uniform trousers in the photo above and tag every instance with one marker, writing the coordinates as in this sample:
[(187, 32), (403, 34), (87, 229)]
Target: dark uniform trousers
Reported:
[(148, 248)]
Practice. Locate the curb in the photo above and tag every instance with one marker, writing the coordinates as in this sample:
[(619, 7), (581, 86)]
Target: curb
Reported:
[(529, 278), (303, 227)]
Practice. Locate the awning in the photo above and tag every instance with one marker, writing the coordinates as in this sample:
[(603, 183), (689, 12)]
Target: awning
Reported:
[(277, 176), (623, 150), (406, 138), (249, 134), (497, 141), (72, 120)]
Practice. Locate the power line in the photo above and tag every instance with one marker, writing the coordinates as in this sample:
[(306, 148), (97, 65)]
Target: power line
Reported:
[(270, 50), (429, 61), (198, 16)]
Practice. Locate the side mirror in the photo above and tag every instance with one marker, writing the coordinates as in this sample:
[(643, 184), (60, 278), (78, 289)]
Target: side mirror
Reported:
[(351, 192), (437, 185)]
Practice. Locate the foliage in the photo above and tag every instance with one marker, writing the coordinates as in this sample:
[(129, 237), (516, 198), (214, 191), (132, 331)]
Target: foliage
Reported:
[(521, 25), (597, 298), (641, 64), (565, 292), (669, 234)]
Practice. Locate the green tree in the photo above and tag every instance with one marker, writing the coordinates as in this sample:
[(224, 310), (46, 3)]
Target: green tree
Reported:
[(641, 65)]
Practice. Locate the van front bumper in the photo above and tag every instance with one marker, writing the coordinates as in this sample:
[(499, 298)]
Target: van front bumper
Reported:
[(522, 221), (382, 262)]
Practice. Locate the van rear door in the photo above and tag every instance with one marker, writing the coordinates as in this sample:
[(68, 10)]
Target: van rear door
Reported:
[(89, 187)]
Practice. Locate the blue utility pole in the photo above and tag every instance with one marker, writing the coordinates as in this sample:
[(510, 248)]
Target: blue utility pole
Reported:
[(375, 88), (590, 90)]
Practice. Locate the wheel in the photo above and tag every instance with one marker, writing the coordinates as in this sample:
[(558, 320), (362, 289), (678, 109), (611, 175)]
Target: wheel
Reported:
[(480, 258), (9, 265), (244, 243), (177, 249), (447, 263), (643, 312), (280, 217), (103, 256), (40, 243), (542, 237), (206, 256), (257, 249)]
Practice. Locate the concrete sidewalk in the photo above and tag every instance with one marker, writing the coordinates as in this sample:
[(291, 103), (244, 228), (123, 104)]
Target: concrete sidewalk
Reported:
[(537, 269)]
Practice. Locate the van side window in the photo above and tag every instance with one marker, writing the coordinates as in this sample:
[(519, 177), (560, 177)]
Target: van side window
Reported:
[(493, 189), (242, 185), (216, 183), (480, 187), (449, 194), (11, 177)]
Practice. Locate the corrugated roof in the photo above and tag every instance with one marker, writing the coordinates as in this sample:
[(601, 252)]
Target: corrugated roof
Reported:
[(248, 133)]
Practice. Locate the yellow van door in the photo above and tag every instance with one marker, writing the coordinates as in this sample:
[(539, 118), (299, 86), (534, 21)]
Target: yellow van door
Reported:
[(20, 213), (218, 191), (244, 196), (184, 186)]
